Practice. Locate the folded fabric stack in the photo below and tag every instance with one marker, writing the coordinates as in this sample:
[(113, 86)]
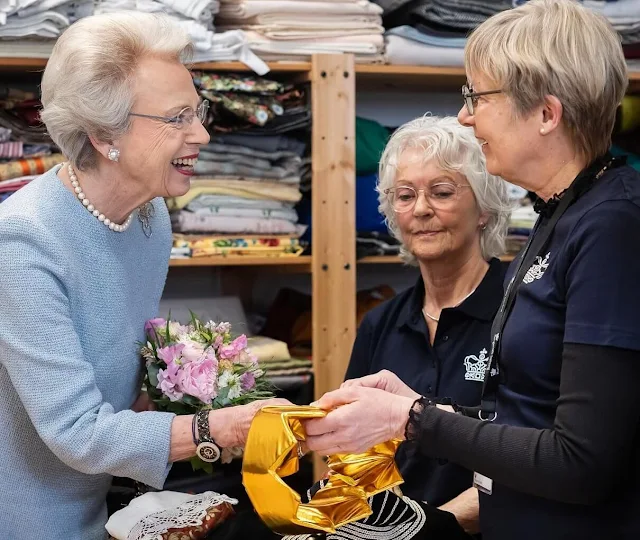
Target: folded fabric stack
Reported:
[(29, 28), (433, 32), (247, 183), (197, 18), (296, 29), (25, 148), (624, 16)]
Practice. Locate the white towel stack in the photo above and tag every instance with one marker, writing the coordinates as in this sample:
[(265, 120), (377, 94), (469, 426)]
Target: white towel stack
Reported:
[(296, 29)]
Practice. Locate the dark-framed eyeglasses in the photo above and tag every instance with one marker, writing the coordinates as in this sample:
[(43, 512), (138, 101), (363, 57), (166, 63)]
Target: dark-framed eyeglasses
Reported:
[(471, 98), (184, 118), (441, 196)]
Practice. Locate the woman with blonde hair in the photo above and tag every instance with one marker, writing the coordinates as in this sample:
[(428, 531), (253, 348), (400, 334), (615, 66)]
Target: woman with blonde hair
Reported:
[(85, 252), (554, 444)]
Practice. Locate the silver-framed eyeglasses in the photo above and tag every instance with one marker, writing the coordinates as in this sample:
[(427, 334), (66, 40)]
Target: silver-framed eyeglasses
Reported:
[(441, 196), (471, 98), (184, 118)]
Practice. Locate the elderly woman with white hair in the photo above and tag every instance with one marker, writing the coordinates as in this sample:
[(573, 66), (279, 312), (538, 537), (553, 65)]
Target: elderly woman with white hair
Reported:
[(85, 252), (554, 445), (451, 217)]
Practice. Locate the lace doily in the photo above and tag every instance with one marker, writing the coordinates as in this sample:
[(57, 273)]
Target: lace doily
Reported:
[(189, 514)]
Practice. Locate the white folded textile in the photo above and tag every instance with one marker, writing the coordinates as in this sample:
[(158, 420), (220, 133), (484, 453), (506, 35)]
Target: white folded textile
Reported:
[(229, 47), (194, 9), (404, 51), (26, 48), (276, 32), (9, 7), (305, 20), (251, 8), (48, 24), (367, 44), (152, 514), (41, 6)]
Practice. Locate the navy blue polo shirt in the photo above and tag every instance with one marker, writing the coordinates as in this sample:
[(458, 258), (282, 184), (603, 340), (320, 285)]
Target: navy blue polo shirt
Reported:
[(584, 288), (394, 336)]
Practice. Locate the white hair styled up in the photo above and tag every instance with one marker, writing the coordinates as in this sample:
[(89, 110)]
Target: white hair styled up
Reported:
[(454, 148), (87, 85)]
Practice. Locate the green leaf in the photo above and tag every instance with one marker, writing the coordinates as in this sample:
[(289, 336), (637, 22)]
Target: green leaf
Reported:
[(152, 372), (197, 464)]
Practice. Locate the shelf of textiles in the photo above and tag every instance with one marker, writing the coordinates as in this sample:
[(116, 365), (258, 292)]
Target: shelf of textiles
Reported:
[(252, 174)]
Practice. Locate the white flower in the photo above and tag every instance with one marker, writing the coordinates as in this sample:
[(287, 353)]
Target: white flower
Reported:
[(224, 379), (176, 330), (232, 381)]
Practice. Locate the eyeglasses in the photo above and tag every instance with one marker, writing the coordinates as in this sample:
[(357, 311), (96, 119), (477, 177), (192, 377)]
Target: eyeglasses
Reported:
[(471, 98), (184, 118), (441, 196)]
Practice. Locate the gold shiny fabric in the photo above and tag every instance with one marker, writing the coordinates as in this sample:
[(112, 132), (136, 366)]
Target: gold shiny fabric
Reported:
[(271, 453)]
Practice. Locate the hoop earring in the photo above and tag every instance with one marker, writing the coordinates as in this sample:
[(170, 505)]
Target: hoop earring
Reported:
[(113, 154)]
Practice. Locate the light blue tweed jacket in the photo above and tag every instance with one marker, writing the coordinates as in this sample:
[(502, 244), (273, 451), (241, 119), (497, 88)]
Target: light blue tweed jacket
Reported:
[(74, 297)]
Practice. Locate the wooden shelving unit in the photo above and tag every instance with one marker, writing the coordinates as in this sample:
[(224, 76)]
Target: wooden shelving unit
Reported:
[(220, 260)]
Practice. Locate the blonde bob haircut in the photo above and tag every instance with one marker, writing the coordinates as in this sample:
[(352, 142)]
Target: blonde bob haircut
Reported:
[(87, 85), (453, 148), (558, 48)]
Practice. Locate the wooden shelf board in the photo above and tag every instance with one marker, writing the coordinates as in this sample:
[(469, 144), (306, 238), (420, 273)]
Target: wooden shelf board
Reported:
[(387, 69), (276, 67), (221, 260), (392, 259)]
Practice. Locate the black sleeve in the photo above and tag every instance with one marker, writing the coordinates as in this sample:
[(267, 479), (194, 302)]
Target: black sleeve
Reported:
[(581, 459), (360, 362)]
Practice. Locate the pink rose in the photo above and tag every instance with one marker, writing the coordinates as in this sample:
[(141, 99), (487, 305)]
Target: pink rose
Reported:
[(198, 379)]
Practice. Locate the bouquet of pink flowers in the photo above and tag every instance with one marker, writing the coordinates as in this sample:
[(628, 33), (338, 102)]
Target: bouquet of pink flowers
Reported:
[(200, 366)]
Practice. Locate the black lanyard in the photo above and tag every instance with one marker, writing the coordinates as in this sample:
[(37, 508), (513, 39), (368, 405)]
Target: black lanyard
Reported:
[(537, 241)]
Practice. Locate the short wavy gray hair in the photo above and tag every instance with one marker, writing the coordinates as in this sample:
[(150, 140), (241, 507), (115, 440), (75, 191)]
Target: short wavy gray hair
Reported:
[(558, 48), (87, 84), (454, 149)]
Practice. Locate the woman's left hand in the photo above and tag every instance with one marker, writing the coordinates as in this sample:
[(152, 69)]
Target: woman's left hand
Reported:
[(143, 403), (358, 418)]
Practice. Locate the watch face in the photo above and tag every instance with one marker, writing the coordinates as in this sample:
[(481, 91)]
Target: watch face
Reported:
[(207, 451)]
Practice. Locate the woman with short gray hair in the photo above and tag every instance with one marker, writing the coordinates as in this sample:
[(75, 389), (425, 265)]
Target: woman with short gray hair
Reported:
[(554, 444), (451, 217), (85, 253)]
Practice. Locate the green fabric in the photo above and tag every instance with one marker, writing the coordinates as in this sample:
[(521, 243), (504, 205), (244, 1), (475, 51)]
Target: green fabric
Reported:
[(371, 138)]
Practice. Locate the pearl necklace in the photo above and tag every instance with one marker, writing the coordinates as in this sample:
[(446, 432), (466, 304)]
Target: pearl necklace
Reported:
[(96, 213)]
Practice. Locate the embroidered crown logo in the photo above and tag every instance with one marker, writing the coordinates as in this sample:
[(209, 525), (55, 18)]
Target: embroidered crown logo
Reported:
[(476, 366), (537, 269)]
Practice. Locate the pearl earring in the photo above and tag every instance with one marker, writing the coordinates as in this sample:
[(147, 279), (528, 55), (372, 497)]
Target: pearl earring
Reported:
[(483, 226), (113, 154), (541, 131)]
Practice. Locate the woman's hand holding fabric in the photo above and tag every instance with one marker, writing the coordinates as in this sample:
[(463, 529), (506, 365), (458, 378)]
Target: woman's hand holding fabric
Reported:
[(358, 418), (240, 420), (383, 380)]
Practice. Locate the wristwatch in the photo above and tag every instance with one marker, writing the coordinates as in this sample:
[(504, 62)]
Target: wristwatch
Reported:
[(206, 448)]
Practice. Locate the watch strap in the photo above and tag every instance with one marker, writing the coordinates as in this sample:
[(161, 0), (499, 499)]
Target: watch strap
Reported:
[(206, 448)]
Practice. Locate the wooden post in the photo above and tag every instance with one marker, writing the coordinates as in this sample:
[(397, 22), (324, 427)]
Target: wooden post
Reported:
[(333, 217)]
